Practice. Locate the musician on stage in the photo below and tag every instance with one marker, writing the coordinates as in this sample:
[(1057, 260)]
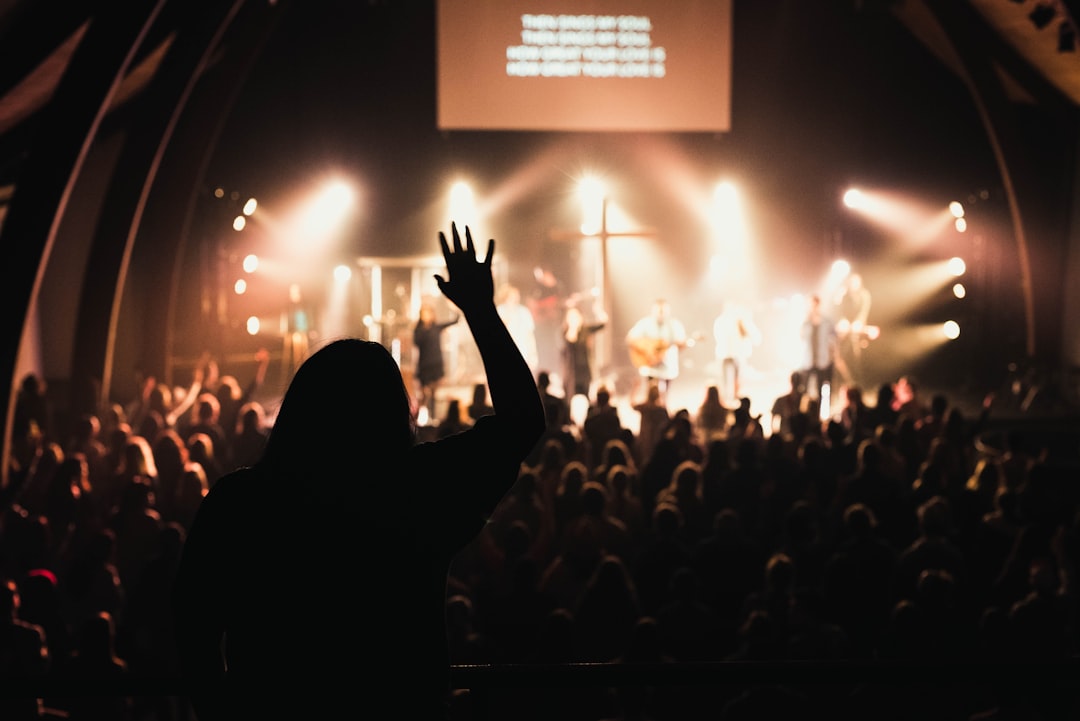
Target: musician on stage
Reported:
[(577, 336), (736, 335), (654, 343), (818, 336), (546, 300), (853, 334)]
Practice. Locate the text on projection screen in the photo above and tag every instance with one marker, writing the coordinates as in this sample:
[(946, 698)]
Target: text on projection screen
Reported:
[(602, 65)]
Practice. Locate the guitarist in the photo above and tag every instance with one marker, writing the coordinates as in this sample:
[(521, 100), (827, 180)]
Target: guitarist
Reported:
[(654, 343)]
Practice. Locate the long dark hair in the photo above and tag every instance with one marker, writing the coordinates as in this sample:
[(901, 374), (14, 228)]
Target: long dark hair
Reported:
[(349, 394)]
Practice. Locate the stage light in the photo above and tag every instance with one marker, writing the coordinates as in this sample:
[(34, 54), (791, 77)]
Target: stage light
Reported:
[(462, 205), (342, 273), (951, 329), (1066, 37), (959, 290), (957, 209), (251, 262), (253, 325), (592, 192), (249, 206), (240, 286), (839, 270), (1042, 15), (957, 266), (960, 224), (725, 193), (239, 223), (853, 198)]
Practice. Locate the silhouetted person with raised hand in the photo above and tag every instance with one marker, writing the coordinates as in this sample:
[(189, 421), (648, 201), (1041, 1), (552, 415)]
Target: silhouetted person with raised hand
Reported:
[(346, 598)]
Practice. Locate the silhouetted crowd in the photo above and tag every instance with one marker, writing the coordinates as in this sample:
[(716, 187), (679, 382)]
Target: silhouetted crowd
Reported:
[(907, 530)]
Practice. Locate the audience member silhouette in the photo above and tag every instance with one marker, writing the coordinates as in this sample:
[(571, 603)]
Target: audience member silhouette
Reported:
[(712, 415), (787, 406), (606, 612), (95, 660), (602, 424), (453, 421), (405, 514), (653, 420), (24, 656), (479, 405), (249, 441)]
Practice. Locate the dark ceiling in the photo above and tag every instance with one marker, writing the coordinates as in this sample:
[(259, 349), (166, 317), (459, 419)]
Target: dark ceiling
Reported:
[(1032, 60)]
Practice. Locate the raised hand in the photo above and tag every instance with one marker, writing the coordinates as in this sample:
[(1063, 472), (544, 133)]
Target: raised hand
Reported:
[(468, 283)]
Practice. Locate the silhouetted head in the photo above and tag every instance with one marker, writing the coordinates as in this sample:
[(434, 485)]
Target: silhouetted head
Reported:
[(712, 395), (346, 396)]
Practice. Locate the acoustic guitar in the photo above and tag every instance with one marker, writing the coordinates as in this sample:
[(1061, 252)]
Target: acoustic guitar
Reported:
[(646, 352)]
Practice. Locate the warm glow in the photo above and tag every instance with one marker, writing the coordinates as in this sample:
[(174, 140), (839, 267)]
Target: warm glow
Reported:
[(329, 208), (912, 220), (961, 225), (591, 191), (250, 206), (951, 329), (463, 205), (253, 325), (239, 222), (839, 270), (854, 198), (959, 290), (957, 266), (240, 286), (251, 262), (342, 273)]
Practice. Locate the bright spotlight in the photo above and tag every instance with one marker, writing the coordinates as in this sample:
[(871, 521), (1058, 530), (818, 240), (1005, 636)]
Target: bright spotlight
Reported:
[(325, 212), (854, 198), (960, 224), (462, 202), (725, 192), (956, 209), (840, 269), (957, 266), (251, 262), (959, 290), (951, 329), (337, 196), (239, 222), (342, 273), (240, 286), (591, 191), (253, 325), (249, 206)]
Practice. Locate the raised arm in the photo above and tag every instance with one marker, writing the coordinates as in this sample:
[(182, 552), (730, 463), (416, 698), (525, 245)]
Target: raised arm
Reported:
[(470, 286)]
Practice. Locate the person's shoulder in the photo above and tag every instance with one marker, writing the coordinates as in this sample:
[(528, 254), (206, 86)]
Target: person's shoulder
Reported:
[(236, 481)]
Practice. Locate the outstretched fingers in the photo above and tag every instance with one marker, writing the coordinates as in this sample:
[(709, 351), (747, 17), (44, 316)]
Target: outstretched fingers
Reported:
[(469, 245), (457, 236)]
